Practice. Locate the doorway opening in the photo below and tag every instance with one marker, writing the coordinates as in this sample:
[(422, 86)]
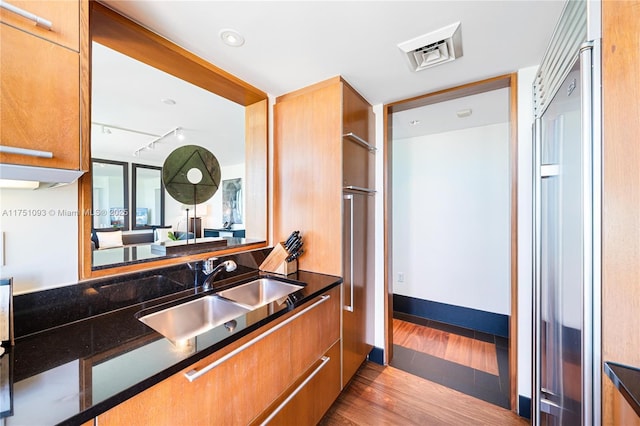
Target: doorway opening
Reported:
[(451, 237)]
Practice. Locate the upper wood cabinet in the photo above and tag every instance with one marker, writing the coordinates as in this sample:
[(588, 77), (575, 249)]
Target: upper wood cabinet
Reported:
[(318, 135), (40, 107), (64, 16)]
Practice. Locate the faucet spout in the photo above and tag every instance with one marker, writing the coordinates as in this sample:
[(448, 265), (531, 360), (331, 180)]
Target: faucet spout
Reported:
[(212, 272)]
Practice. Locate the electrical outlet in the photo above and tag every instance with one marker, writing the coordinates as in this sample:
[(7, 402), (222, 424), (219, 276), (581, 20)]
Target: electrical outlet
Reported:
[(400, 277)]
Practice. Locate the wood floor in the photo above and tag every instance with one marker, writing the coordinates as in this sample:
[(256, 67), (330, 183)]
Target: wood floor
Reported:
[(379, 395), (452, 347)]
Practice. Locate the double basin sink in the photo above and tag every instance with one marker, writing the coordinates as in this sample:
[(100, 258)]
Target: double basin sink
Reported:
[(189, 319)]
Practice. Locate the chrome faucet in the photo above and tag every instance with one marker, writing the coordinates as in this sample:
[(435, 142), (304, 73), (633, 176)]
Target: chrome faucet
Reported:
[(211, 271)]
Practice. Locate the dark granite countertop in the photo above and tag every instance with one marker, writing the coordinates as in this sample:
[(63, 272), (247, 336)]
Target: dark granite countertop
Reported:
[(627, 380), (71, 372)]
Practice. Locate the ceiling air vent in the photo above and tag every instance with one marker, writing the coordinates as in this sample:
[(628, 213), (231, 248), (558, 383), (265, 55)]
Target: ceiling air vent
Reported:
[(437, 47)]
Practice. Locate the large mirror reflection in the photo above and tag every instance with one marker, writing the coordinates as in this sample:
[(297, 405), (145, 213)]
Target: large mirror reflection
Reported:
[(139, 115)]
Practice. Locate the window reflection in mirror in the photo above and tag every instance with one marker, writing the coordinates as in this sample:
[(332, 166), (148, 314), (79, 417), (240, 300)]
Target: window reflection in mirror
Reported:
[(110, 194), (148, 197)]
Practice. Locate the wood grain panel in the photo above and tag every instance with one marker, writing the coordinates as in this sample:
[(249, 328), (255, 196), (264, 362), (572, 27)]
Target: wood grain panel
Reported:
[(231, 393), (64, 16), (315, 332), (386, 395), (618, 411), (256, 169), (40, 102), (312, 401), (621, 191), (308, 186)]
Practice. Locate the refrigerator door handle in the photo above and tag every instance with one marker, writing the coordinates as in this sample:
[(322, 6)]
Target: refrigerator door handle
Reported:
[(349, 199)]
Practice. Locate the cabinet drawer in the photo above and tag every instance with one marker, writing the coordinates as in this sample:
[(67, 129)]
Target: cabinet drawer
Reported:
[(40, 103), (64, 16), (311, 396), (314, 333)]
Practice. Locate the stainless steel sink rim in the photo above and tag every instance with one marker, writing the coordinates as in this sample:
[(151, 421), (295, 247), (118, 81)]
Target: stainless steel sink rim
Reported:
[(260, 292)]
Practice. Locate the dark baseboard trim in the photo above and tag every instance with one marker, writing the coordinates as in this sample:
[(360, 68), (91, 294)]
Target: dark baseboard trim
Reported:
[(474, 319), (524, 407), (377, 355)]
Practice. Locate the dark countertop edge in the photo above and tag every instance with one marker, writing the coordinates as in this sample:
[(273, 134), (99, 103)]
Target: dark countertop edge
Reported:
[(247, 242), (134, 390), (633, 398)]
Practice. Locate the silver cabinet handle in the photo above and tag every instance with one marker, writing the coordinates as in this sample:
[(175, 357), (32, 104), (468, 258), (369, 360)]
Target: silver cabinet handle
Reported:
[(359, 189), (349, 198), (361, 141), (191, 375), (23, 151), (39, 21), (325, 360)]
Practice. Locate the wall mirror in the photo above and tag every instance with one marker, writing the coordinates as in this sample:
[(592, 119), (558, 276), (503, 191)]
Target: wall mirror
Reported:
[(148, 97), (148, 197), (110, 194)]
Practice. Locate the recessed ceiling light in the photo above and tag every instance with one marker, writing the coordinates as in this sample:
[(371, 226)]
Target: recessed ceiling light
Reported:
[(464, 113), (231, 38), (168, 101), (414, 122)]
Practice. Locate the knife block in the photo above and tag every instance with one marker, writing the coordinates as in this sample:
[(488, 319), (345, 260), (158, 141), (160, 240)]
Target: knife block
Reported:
[(277, 263)]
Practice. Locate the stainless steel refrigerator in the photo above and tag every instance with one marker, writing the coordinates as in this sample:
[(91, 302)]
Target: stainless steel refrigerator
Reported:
[(567, 174)]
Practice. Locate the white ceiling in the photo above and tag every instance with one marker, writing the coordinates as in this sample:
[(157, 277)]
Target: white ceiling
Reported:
[(292, 44), (128, 94)]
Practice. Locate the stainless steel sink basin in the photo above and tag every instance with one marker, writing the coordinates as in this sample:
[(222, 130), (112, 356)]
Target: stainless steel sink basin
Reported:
[(259, 292), (192, 318)]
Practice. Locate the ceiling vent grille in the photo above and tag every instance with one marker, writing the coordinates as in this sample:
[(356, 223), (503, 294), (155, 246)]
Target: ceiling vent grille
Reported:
[(436, 48)]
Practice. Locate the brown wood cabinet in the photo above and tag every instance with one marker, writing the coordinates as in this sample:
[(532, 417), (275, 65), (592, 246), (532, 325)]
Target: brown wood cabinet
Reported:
[(40, 106), (250, 375), (323, 187)]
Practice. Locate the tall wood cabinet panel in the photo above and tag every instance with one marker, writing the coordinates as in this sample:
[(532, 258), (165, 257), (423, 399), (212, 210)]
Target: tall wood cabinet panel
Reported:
[(323, 187), (620, 200), (41, 79)]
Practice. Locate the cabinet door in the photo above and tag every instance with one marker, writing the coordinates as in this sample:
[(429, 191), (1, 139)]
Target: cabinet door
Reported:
[(358, 161), (64, 16), (233, 393), (315, 332), (312, 395), (356, 277), (40, 103)]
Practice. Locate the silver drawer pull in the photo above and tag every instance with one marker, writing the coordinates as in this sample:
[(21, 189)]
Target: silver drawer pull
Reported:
[(191, 375), (359, 189), (23, 151), (39, 21), (325, 360)]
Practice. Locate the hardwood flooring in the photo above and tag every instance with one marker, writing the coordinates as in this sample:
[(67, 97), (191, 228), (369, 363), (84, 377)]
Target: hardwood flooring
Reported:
[(451, 347), (379, 395), (468, 361)]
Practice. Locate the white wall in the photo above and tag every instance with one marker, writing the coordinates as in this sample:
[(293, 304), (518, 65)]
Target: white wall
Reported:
[(525, 225), (451, 210), (41, 237)]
